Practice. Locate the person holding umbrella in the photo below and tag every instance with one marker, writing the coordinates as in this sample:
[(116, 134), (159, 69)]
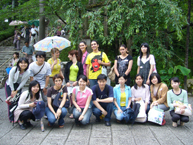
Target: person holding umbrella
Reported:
[(55, 64)]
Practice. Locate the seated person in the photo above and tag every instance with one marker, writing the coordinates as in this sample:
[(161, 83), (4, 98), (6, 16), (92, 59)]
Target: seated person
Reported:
[(122, 98), (102, 99), (177, 94)]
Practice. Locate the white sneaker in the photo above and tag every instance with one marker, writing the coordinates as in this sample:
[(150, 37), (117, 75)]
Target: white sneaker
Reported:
[(174, 124)]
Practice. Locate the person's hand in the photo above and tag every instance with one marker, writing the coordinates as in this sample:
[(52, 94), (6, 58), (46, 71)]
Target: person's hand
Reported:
[(182, 107), (104, 113), (26, 54), (81, 117), (13, 93), (55, 62), (97, 99), (68, 84), (59, 111), (147, 82), (32, 104), (137, 99), (151, 106), (88, 83), (79, 110), (45, 91), (155, 103), (74, 84), (56, 116), (119, 111), (100, 62), (182, 111)]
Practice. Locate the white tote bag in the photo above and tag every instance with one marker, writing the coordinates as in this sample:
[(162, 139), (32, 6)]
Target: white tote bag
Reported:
[(141, 117)]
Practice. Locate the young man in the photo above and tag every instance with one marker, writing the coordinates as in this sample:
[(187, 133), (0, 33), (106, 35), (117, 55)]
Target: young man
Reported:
[(28, 51), (40, 71), (102, 99), (33, 33), (94, 63)]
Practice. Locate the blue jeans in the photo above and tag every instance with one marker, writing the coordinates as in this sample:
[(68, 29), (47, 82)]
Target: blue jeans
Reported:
[(162, 106), (51, 117), (106, 106), (87, 115), (93, 82), (119, 116)]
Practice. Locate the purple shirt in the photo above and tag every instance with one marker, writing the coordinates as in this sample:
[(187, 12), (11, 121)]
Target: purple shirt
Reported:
[(83, 62)]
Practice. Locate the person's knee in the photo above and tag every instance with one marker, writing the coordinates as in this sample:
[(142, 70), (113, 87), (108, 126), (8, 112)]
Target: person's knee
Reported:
[(119, 116), (185, 119), (51, 119), (64, 112), (76, 113), (96, 111)]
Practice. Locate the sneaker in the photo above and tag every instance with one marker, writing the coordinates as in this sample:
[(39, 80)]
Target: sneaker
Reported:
[(164, 122), (107, 123), (181, 123), (174, 124), (61, 126)]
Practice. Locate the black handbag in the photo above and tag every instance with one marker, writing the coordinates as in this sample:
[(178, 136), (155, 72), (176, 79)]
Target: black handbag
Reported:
[(58, 99)]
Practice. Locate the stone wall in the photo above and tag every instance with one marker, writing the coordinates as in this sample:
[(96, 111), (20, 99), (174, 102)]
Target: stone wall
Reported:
[(7, 42)]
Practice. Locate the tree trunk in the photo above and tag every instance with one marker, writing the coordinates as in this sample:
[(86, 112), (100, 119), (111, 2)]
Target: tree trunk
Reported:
[(42, 21), (187, 42), (129, 44)]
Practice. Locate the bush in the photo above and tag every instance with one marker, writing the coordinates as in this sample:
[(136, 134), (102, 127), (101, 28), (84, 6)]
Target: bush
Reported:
[(6, 33)]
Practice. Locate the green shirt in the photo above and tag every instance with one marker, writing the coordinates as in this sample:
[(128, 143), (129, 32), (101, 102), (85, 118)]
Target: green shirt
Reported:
[(182, 97), (73, 72)]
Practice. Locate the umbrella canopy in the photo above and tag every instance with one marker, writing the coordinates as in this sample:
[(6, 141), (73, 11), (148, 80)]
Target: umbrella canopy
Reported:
[(16, 23), (35, 22), (52, 42)]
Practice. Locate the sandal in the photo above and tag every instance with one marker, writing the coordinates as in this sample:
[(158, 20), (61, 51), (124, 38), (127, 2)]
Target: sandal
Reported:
[(71, 116)]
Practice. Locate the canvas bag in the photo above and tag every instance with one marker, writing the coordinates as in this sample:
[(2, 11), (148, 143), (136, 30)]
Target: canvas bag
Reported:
[(141, 117), (188, 110), (156, 115), (111, 74)]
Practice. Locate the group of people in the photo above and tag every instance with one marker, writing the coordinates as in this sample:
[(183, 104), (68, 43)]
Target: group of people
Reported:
[(86, 88)]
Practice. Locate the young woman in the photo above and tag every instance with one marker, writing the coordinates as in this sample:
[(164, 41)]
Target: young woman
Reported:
[(15, 59), (123, 64), (82, 53), (23, 113), (52, 112), (18, 77), (177, 94), (122, 98), (95, 61), (17, 37), (158, 93), (72, 72), (141, 91), (146, 63), (81, 97), (55, 64)]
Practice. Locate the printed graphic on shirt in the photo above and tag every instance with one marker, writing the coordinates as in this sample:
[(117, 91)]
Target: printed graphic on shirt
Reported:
[(123, 65), (95, 65)]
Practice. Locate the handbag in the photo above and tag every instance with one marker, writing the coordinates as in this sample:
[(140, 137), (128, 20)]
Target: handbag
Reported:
[(141, 117), (58, 99), (111, 74), (188, 110), (104, 68), (8, 69), (156, 115)]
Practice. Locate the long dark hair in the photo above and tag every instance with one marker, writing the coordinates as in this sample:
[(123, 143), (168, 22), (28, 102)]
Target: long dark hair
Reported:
[(135, 85), (20, 61), (148, 50), (32, 84), (80, 52), (155, 75)]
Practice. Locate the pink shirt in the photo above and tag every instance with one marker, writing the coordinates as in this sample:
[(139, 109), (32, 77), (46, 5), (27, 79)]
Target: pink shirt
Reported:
[(82, 97), (84, 65)]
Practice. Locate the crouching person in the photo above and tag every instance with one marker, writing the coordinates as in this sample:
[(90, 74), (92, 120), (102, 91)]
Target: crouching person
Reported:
[(28, 100), (102, 100), (81, 97)]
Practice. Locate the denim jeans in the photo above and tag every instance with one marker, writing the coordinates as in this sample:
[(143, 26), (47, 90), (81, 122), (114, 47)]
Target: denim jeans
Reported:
[(119, 116), (51, 117), (87, 115), (93, 82), (106, 106), (163, 107)]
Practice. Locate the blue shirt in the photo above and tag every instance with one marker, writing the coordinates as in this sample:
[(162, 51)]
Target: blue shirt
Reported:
[(29, 50), (101, 95)]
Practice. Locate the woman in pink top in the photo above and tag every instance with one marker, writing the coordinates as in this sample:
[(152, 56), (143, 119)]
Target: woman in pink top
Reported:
[(141, 91), (82, 54), (81, 97)]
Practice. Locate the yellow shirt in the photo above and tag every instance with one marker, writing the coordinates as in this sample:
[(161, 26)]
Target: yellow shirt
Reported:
[(73, 72), (57, 67), (123, 99), (95, 68)]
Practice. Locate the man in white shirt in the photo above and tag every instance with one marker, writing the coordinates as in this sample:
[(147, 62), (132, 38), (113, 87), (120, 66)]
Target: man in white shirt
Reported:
[(33, 33)]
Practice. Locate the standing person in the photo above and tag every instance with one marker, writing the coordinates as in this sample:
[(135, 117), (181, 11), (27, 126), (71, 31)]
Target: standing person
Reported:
[(82, 53), (28, 99), (102, 100), (141, 91), (94, 63), (27, 33), (18, 77), (54, 113), (33, 33), (158, 93), (177, 94), (123, 64), (55, 64), (146, 63), (72, 72), (40, 71), (17, 37), (28, 51), (14, 59), (81, 97), (122, 98)]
